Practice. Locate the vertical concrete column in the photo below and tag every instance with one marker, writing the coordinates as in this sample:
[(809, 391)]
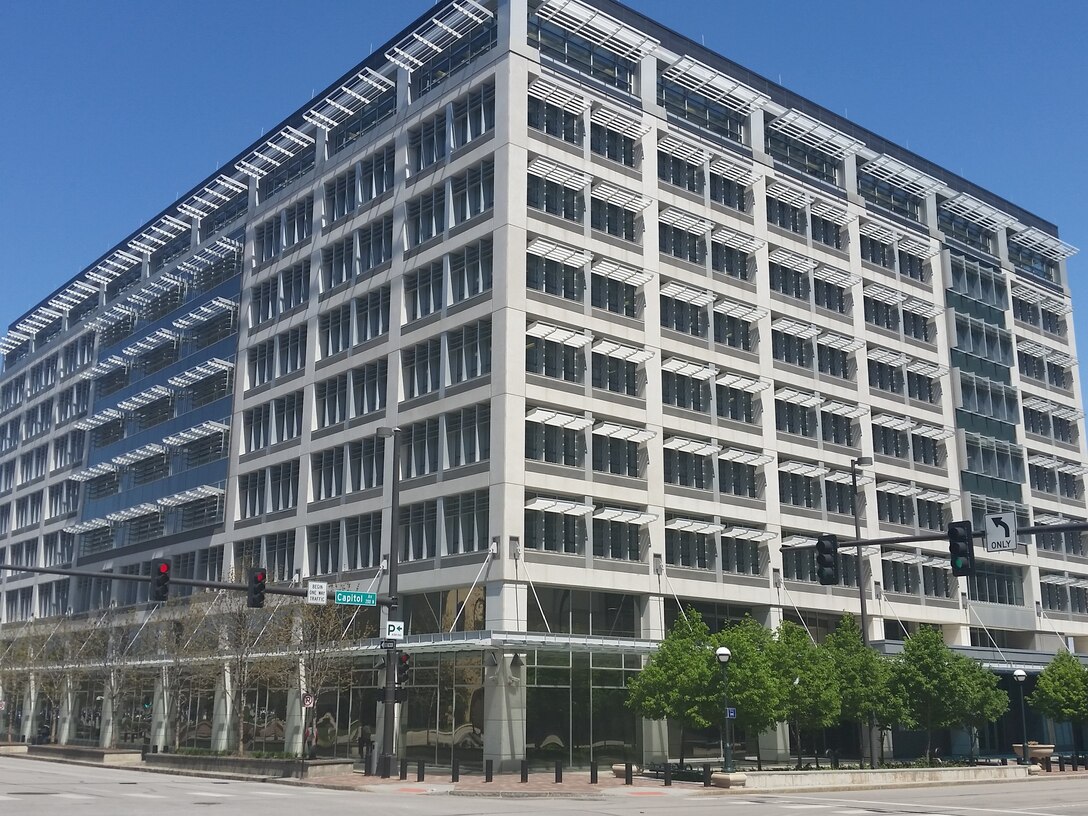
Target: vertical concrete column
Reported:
[(109, 716), (504, 712), (222, 713), (66, 725), (30, 704), (161, 706)]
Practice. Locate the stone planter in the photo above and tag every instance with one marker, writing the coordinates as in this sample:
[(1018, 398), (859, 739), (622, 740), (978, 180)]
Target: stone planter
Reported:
[(250, 766), (1036, 751), (721, 779), (619, 769)]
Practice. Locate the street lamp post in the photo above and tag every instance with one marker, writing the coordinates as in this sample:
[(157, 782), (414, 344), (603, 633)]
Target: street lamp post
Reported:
[(723, 654), (1020, 676), (855, 464), (389, 721)]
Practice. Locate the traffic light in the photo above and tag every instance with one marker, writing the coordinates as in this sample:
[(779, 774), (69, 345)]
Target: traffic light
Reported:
[(160, 580), (827, 560), (961, 548), (404, 663), (257, 578)]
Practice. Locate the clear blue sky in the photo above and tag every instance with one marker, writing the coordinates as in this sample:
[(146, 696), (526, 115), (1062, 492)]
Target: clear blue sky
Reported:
[(110, 110)]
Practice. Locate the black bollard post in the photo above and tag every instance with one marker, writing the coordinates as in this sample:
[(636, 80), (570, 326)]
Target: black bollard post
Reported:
[(419, 771), (525, 770), (1004, 760), (1073, 761), (489, 770), (706, 774), (404, 769), (668, 775), (593, 772), (455, 774), (1061, 763), (383, 766), (1046, 764), (558, 771), (628, 774)]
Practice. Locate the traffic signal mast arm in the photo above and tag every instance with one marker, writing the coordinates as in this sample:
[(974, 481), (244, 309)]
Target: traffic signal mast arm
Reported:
[(1071, 527), (272, 589)]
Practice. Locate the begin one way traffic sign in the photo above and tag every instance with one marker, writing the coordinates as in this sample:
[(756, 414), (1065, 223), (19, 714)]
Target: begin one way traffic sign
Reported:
[(1000, 532)]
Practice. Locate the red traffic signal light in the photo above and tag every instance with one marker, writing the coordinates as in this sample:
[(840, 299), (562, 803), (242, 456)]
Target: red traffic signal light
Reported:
[(256, 590), (160, 580), (404, 663)]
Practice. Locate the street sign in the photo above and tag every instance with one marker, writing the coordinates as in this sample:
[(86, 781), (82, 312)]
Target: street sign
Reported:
[(307, 701), (347, 598), (730, 713), (388, 644), (1000, 532), (317, 592), (394, 630)]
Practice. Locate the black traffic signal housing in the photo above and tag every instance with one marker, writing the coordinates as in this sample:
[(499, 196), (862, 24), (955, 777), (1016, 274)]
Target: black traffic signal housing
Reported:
[(961, 548), (255, 596), (160, 580), (404, 663), (827, 560)]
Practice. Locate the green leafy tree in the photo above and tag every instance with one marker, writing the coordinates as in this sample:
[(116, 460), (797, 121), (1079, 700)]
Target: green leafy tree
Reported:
[(753, 687), (925, 674), (1061, 692), (811, 699), (979, 701), (865, 679), (681, 681)]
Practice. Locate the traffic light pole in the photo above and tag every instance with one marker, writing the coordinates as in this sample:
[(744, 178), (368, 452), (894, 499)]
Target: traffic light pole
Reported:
[(871, 736), (389, 709)]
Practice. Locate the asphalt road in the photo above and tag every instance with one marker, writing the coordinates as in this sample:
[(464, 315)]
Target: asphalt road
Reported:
[(47, 788)]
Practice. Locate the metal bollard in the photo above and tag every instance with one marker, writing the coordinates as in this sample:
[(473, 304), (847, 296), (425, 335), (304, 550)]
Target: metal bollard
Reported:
[(593, 772), (1073, 761), (383, 766), (525, 770), (668, 775), (706, 775), (419, 771), (1046, 764), (1004, 760), (489, 770), (403, 769), (628, 774), (1061, 763), (455, 773), (558, 771)]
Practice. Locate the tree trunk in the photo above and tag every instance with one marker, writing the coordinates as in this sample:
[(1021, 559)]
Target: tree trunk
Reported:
[(683, 730), (797, 734), (759, 756), (929, 751)]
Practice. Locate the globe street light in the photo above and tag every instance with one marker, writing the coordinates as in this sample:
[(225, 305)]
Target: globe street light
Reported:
[(723, 654), (1020, 676)]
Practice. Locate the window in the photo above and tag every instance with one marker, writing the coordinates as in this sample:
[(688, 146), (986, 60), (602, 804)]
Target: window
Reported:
[(283, 486), (801, 156), (994, 458), (1032, 262), (331, 401), (422, 368), (877, 252), (978, 281), (613, 295), (913, 267), (795, 419), (454, 57), (966, 232), (981, 339), (894, 509), (687, 469), (883, 194), (838, 498), (616, 375), (427, 143), (582, 55), (251, 494), (790, 282), (366, 463), (466, 522), (726, 191), (923, 388), (731, 262), (885, 377), (377, 173), (612, 144), (554, 531), (989, 399), (327, 467), (555, 121), (371, 315), (683, 316), (468, 435), (917, 327), (474, 115), (930, 514), (617, 540), (426, 216), (834, 362), (342, 195), (323, 543), (925, 450), (291, 350), (554, 444), (881, 315), (337, 263), (469, 350), (788, 348), (473, 191), (679, 173), (619, 457), (423, 291), (682, 391), (699, 110), (681, 244), (375, 244), (734, 332), (996, 583), (738, 479), (826, 232), (613, 219), (838, 430), (471, 270), (685, 548), (797, 490), (736, 404), (363, 539), (420, 451), (334, 331), (555, 360), (368, 387), (419, 530), (829, 296), (742, 557), (554, 198)]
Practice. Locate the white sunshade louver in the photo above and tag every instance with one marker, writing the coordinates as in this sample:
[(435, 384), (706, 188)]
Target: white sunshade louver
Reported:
[(883, 294), (792, 260), (698, 526), (740, 456), (687, 368), (614, 430), (696, 447), (735, 171), (752, 385), (624, 274), (736, 239), (675, 217), (561, 174), (619, 122), (620, 196), (598, 27), (624, 515), (687, 294), (558, 334), (559, 506), (557, 95), (741, 311), (748, 533), (789, 194), (807, 469), (560, 253), (547, 416), (631, 354), (895, 172), (816, 134), (703, 79)]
